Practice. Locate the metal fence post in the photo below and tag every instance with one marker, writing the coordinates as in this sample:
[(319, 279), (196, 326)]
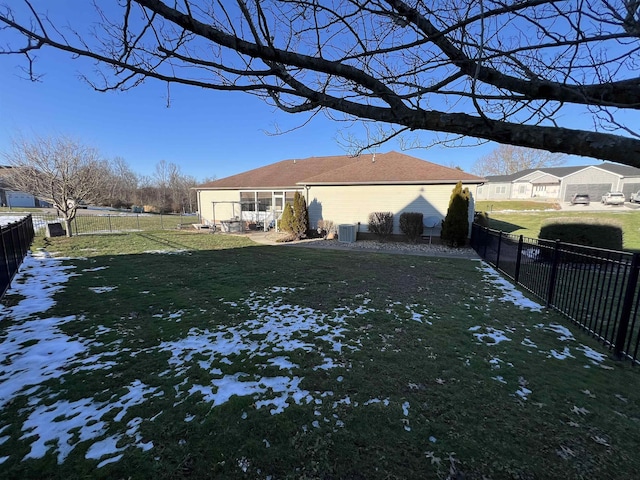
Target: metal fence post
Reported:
[(552, 275), (109, 218), (516, 275), (161, 224), (498, 250), (625, 315), (486, 241)]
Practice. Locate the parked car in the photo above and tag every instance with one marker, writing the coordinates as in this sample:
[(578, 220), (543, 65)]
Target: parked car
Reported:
[(613, 198), (580, 198), (635, 197)]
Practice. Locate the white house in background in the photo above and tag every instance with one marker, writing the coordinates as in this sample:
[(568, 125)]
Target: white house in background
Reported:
[(342, 189), (15, 199), (561, 183)]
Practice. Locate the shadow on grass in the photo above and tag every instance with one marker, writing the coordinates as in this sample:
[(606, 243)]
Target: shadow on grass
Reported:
[(505, 227)]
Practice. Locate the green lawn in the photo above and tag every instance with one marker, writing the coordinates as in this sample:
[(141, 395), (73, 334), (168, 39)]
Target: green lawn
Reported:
[(529, 223), (177, 355), (501, 205)]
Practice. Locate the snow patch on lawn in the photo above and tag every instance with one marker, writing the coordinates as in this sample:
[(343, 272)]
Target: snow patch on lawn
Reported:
[(276, 330), (102, 289), (491, 336), (510, 293), (64, 424)]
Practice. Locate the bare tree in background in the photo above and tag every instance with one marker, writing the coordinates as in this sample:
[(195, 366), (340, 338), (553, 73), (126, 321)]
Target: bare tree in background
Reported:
[(517, 72), (507, 159), (59, 170)]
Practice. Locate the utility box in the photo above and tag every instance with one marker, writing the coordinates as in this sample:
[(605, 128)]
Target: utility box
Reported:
[(346, 233), (54, 230)]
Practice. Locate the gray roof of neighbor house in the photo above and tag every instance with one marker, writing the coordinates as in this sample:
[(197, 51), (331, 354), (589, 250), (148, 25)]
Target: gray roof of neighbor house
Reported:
[(560, 172), (368, 169)]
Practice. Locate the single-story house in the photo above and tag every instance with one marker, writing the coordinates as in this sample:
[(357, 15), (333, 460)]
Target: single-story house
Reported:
[(342, 189), (561, 183), (10, 197)]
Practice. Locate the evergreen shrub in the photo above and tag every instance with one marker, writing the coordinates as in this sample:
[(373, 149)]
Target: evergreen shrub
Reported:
[(455, 226), (286, 221), (300, 223)]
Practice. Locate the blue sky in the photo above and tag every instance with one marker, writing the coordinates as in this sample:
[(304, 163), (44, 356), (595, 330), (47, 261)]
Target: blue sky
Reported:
[(207, 133)]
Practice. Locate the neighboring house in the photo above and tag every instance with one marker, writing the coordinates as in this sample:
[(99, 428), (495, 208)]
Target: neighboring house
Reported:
[(15, 199), (561, 183), (342, 189)]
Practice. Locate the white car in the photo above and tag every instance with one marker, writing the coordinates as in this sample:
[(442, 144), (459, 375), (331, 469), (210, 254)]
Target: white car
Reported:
[(635, 197), (613, 198)]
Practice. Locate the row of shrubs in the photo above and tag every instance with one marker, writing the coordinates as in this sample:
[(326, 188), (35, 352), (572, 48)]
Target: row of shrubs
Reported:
[(455, 226)]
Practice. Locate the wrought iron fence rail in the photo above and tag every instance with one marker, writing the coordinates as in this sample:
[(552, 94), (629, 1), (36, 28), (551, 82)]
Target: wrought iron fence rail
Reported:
[(15, 240), (596, 289)]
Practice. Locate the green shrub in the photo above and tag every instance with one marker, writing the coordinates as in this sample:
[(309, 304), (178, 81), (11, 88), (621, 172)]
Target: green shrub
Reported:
[(381, 224), (411, 224), (481, 218), (455, 226), (584, 231), (300, 223), (286, 221)]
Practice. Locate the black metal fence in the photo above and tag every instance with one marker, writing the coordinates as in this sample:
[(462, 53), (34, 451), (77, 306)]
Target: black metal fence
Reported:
[(111, 223), (596, 289), (15, 240)]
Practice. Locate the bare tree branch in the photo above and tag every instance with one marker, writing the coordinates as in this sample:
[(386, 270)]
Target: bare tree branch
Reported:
[(510, 72)]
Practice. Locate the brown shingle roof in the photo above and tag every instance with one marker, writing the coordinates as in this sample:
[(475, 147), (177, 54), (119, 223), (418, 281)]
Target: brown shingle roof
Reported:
[(391, 167)]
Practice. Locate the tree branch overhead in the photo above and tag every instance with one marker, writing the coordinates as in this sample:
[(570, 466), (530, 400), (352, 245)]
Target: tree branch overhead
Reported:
[(517, 73)]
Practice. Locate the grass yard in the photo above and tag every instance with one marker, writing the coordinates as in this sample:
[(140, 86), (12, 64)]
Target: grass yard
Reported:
[(529, 223), (175, 355), (519, 205)]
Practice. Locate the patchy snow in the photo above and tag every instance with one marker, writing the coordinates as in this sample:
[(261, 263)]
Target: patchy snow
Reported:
[(102, 289), (8, 219), (95, 269), (269, 336), (564, 332), (510, 293), (492, 336), (566, 353), (595, 357), (167, 251), (523, 392)]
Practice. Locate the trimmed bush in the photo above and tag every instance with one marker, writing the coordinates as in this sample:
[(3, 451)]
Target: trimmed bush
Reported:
[(455, 226), (481, 218), (286, 221), (584, 231), (300, 223), (381, 224), (411, 224)]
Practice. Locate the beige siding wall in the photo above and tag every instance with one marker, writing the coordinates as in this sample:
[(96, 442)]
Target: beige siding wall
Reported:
[(224, 211), (353, 204)]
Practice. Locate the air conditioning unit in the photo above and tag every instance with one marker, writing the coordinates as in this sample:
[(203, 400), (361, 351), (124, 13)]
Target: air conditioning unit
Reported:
[(346, 233)]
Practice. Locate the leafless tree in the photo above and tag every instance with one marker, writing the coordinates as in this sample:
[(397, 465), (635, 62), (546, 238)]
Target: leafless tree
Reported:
[(59, 170), (507, 159), (515, 72), (121, 183)]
